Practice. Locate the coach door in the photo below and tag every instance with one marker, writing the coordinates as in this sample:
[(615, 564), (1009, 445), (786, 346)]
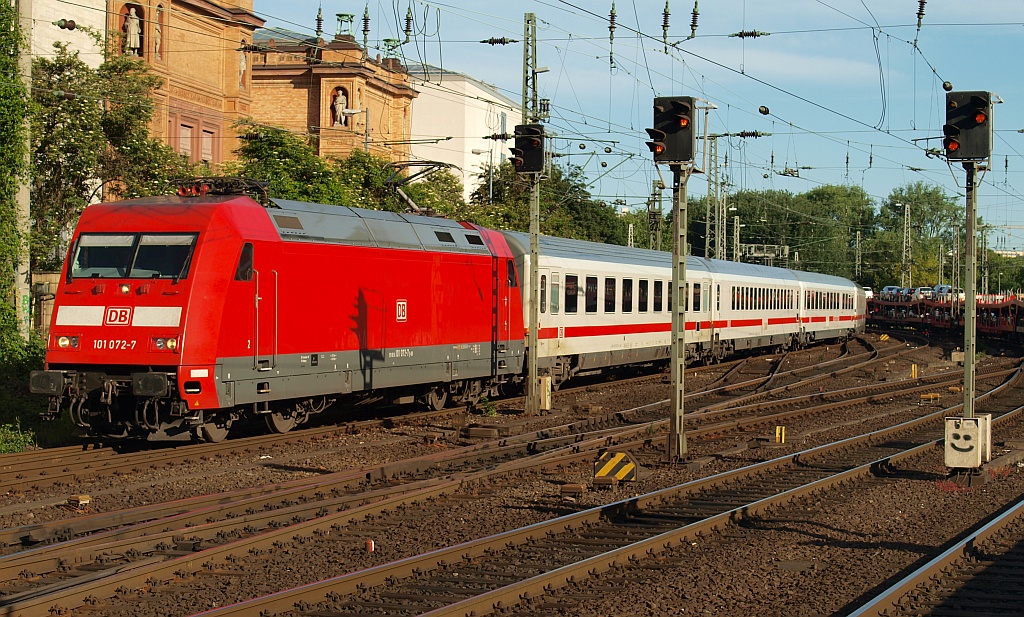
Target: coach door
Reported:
[(506, 283)]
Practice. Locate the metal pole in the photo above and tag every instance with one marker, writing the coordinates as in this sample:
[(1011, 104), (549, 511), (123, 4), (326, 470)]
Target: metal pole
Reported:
[(23, 273), (366, 142), (532, 387), (490, 177), (735, 238), (676, 449), (970, 284)]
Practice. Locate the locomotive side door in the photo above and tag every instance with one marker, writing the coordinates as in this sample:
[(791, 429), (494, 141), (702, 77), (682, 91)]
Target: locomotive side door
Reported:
[(265, 307)]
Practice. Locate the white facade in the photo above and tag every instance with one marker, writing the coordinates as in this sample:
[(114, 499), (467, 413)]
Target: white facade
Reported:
[(90, 13), (459, 112)]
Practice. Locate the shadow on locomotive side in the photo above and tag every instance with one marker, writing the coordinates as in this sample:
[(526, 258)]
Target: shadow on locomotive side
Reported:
[(178, 317)]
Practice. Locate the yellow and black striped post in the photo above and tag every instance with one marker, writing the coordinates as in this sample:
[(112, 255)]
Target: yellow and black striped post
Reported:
[(618, 465)]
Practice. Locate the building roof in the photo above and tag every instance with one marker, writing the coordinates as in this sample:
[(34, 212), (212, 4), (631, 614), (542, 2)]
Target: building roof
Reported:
[(433, 74)]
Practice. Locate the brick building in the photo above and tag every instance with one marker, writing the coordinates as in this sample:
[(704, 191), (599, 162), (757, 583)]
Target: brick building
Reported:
[(332, 90), (195, 46)]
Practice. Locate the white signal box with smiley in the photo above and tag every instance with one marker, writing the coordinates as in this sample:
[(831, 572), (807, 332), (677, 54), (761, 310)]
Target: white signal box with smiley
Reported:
[(968, 441)]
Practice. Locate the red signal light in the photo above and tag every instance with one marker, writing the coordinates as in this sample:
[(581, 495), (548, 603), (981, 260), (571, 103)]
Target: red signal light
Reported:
[(980, 117), (657, 148), (952, 145), (684, 121)]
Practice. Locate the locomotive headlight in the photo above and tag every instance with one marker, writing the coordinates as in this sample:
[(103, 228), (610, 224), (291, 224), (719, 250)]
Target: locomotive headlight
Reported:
[(66, 342), (125, 288), (166, 343)]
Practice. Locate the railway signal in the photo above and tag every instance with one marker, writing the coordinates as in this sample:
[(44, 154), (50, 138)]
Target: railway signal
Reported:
[(673, 138), (968, 128), (528, 153)]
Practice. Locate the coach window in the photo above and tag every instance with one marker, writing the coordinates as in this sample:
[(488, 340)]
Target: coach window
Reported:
[(657, 296), (609, 295), (512, 282), (244, 270), (627, 295), (591, 297), (669, 305), (696, 297), (543, 293), (556, 293), (641, 304), (572, 290)]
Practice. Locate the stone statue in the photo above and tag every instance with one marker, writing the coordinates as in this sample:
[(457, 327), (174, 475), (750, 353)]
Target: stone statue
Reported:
[(157, 34), (339, 106), (241, 66), (132, 31)]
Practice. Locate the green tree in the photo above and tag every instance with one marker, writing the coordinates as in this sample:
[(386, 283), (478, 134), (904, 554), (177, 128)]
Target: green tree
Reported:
[(566, 207), (90, 132), (934, 217), (13, 111), (289, 163)]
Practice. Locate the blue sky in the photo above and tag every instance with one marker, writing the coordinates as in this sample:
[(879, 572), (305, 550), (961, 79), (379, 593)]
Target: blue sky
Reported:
[(850, 95)]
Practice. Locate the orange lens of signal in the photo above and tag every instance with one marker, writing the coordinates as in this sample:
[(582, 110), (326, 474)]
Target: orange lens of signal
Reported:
[(659, 148), (684, 122)]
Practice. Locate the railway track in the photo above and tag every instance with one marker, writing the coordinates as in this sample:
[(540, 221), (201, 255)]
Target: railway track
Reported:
[(979, 575), (214, 540), (528, 565), (72, 464)]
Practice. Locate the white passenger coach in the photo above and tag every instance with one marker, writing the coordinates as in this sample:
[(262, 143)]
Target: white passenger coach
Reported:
[(605, 305)]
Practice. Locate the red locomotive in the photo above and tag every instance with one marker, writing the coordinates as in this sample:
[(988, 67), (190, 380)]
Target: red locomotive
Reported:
[(178, 316)]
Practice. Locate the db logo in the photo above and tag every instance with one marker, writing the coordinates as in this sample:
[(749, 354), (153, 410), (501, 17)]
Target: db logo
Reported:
[(401, 310), (117, 316)]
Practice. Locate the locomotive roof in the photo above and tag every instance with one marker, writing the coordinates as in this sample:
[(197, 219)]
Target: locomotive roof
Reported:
[(310, 222)]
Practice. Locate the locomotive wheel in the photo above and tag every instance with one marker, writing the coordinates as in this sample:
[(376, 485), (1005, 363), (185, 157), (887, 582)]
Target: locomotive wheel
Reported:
[(280, 423), (437, 399), (213, 432)]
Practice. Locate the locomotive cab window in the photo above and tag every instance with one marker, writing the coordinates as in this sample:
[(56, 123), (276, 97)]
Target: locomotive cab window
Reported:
[(244, 270), (132, 256)]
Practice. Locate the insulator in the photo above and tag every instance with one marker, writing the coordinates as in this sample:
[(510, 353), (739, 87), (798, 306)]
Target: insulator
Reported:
[(748, 34), (693, 21), (366, 22), (754, 134), (499, 41), (611, 19), (664, 17), (408, 23), (920, 11)]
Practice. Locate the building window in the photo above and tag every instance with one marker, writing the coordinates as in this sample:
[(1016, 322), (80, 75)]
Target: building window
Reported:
[(207, 146), (185, 140)]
